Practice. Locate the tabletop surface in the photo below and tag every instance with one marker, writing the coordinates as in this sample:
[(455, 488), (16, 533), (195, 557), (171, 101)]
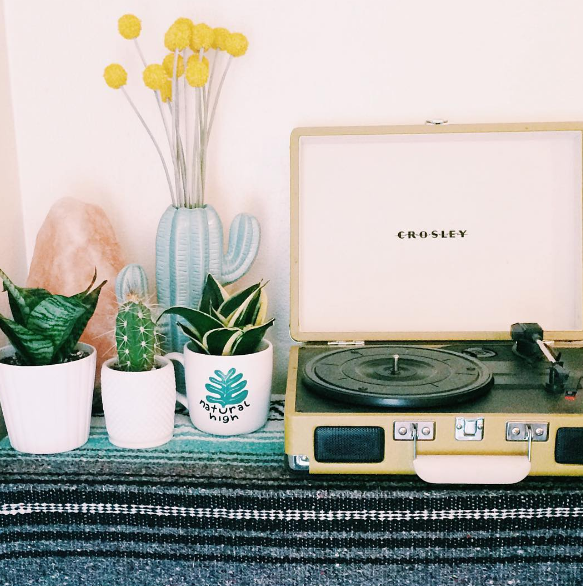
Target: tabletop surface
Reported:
[(205, 507)]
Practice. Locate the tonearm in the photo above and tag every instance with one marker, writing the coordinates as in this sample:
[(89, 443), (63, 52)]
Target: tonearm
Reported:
[(529, 344)]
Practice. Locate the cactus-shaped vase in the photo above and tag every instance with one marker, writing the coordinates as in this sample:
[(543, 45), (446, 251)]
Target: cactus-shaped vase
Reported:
[(189, 246)]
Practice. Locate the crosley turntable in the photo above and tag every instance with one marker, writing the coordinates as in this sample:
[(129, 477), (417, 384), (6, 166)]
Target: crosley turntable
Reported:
[(414, 249)]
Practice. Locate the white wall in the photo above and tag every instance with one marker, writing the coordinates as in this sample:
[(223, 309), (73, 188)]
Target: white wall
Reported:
[(12, 253), (324, 62)]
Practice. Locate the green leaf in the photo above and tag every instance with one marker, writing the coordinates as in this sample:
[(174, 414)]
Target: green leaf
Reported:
[(219, 340), (245, 315), (261, 314), (251, 338), (233, 303), (90, 302), (226, 389), (47, 327), (200, 322), (34, 348), (81, 296), (55, 317), (213, 295), (214, 313), (198, 347), (22, 300)]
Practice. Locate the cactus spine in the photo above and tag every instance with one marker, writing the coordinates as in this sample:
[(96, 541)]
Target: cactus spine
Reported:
[(189, 246), (135, 331), (135, 336)]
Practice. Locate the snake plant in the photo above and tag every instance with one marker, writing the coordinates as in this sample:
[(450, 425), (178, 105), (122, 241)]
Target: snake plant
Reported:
[(223, 324), (46, 328)]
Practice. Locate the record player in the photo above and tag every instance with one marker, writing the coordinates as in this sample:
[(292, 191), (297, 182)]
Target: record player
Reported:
[(425, 263)]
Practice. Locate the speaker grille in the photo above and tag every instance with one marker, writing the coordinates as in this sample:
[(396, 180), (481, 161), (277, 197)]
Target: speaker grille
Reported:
[(349, 444), (569, 445)]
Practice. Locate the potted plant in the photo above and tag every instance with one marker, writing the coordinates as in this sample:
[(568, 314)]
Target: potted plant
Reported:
[(228, 363), (186, 82), (137, 386), (46, 375)]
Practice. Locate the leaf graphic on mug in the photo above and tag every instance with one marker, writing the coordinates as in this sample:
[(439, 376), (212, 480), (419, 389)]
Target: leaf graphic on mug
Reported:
[(226, 389)]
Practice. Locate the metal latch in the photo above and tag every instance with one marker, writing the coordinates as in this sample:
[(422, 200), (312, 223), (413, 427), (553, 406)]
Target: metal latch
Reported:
[(527, 431), (414, 431), (299, 463), (517, 431), (469, 429), (408, 430)]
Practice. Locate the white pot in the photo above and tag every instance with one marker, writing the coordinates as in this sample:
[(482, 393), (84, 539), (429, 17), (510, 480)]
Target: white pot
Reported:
[(227, 395), (139, 406), (47, 409)]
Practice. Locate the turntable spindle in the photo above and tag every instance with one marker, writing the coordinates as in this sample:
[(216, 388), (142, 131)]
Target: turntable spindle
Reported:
[(395, 364)]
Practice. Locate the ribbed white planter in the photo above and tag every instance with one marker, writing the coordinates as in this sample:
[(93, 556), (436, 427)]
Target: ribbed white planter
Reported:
[(47, 409), (139, 406)]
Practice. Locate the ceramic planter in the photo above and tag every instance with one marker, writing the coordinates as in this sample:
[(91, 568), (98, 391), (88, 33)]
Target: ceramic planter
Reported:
[(227, 395), (189, 246), (47, 409), (139, 406)]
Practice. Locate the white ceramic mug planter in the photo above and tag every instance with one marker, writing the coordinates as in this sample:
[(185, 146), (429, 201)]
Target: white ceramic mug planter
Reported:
[(227, 395), (47, 409), (139, 406)]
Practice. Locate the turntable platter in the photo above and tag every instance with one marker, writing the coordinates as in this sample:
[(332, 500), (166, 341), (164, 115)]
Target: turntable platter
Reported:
[(398, 376)]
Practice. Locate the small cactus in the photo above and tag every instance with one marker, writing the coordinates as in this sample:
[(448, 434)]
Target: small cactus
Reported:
[(135, 335)]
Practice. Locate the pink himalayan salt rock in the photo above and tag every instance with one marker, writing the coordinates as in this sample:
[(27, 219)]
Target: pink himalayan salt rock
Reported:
[(75, 239)]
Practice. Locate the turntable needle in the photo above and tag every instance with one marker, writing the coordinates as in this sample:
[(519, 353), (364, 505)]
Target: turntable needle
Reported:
[(395, 364)]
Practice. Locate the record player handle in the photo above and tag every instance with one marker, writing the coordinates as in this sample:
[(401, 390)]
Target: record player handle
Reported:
[(472, 469)]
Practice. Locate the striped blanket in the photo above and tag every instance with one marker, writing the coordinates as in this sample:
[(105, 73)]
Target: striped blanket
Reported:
[(225, 511)]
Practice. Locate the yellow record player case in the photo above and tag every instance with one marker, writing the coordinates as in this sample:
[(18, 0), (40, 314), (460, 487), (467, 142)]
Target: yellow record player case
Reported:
[(406, 239)]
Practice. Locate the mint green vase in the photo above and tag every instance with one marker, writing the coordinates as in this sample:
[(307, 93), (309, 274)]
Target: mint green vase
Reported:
[(189, 246)]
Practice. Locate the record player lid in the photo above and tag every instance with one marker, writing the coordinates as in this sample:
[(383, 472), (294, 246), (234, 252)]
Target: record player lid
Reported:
[(436, 233)]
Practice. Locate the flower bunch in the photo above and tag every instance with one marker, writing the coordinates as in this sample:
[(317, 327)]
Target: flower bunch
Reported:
[(186, 94)]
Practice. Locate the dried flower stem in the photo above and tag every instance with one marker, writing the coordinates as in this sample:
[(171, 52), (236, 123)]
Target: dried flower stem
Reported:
[(218, 95), (188, 171), (202, 148), (195, 152), (174, 201), (156, 93), (158, 100), (174, 125)]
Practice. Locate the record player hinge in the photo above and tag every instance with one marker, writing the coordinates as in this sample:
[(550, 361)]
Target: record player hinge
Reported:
[(346, 343)]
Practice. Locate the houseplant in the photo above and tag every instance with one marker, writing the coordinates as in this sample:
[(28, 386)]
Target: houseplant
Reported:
[(46, 376), (228, 364), (186, 86), (137, 386)]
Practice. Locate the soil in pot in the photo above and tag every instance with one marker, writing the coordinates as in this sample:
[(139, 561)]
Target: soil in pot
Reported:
[(16, 360)]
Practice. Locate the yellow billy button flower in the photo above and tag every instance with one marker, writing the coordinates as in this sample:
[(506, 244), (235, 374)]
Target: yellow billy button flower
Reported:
[(202, 37), (166, 91), (115, 76), (220, 38), (236, 44), (129, 26), (197, 71), (178, 36), (168, 65), (185, 21), (154, 76)]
